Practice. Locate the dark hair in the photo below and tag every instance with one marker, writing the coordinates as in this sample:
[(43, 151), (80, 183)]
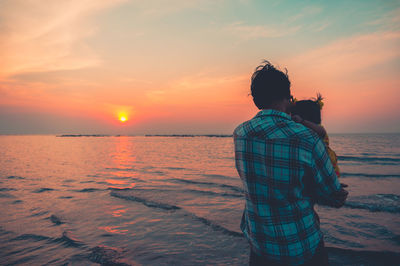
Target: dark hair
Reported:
[(308, 109), (269, 85)]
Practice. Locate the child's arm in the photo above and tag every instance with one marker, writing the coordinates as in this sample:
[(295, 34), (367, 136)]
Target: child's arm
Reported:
[(317, 128)]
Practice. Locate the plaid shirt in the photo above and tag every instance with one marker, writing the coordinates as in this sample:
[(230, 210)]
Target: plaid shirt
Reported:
[(285, 169)]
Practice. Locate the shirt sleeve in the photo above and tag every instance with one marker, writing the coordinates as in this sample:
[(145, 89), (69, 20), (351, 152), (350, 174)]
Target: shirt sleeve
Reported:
[(326, 182)]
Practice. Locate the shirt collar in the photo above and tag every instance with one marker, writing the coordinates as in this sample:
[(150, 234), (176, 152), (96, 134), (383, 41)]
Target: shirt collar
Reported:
[(273, 112)]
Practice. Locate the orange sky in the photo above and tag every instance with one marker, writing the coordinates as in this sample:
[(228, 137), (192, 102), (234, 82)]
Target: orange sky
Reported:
[(185, 66)]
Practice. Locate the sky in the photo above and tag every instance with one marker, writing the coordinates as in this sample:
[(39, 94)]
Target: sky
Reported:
[(184, 67)]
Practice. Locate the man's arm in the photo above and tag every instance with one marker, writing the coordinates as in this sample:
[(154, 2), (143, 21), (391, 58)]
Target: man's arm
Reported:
[(327, 187)]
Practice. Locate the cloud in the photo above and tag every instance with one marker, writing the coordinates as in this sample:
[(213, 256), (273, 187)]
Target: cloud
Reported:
[(152, 9), (47, 35), (390, 20), (306, 11), (289, 26), (206, 88), (350, 55), (252, 32), (318, 27)]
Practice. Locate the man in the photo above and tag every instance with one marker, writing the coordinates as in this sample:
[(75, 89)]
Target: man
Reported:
[(285, 169)]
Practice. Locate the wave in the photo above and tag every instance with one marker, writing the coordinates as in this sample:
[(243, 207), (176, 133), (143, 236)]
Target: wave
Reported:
[(380, 153), (369, 175), (155, 172), (66, 239), (234, 188), (120, 168), (99, 254), (338, 256), (212, 193), (89, 190), (104, 255), (95, 175), (154, 204), (197, 191), (148, 203), (217, 227), (176, 168), (83, 182), (368, 159), (69, 241), (65, 197), (44, 189), (15, 177), (7, 189), (31, 237), (55, 220), (376, 203), (39, 213), (6, 195), (217, 176)]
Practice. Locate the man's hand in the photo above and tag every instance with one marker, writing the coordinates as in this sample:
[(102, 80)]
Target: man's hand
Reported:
[(340, 197)]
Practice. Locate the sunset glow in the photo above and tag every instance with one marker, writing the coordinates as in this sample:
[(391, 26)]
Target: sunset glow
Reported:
[(185, 66)]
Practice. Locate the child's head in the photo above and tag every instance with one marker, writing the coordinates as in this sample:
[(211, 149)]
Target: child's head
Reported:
[(309, 109)]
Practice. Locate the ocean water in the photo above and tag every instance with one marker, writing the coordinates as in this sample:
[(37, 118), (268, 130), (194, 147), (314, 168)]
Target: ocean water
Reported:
[(174, 201)]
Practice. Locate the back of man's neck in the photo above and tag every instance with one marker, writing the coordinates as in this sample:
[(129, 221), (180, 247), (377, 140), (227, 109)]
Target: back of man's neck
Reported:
[(277, 107)]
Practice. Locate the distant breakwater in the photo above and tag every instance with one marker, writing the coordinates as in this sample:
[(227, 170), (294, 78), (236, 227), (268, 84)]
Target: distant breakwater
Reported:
[(148, 135)]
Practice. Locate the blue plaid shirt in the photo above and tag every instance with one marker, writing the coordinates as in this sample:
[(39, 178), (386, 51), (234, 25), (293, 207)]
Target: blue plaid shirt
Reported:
[(285, 169)]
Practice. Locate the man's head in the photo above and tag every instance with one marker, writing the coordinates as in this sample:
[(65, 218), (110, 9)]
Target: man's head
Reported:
[(269, 86)]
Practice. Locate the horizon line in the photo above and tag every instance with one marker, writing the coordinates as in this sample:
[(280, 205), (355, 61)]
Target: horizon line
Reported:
[(171, 134)]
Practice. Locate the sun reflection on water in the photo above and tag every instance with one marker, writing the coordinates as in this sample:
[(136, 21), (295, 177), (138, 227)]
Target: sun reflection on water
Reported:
[(122, 169)]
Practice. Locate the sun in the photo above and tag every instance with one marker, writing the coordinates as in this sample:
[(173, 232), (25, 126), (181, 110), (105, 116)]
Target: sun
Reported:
[(123, 116)]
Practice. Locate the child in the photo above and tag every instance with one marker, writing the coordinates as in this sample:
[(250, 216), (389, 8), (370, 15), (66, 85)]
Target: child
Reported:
[(308, 113)]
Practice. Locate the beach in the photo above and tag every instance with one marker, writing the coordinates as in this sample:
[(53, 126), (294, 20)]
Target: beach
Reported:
[(174, 200)]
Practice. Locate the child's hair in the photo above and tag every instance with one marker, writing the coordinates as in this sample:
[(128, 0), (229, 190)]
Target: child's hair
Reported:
[(309, 109)]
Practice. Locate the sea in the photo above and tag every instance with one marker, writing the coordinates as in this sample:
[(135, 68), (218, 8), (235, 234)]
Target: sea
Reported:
[(174, 200)]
